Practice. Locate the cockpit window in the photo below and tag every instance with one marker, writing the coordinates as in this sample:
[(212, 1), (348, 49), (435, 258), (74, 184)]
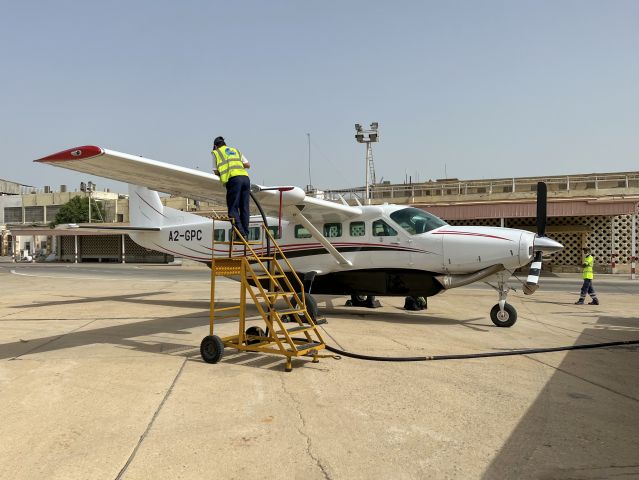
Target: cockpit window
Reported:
[(415, 221)]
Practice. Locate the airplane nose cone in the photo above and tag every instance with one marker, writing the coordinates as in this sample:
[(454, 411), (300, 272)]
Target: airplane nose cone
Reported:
[(547, 245)]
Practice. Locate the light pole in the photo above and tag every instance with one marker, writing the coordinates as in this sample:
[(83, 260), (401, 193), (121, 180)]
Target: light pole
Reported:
[(89, 188), (368, 136), (310, 181)]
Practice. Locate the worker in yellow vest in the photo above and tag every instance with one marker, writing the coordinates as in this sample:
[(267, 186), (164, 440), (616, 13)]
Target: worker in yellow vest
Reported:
[(586, 288), (230, 166)]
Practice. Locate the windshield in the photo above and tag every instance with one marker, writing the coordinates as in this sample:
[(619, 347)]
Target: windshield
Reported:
[(415, 221)]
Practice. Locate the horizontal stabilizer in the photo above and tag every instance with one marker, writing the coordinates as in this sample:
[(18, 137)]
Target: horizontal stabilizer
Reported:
[(121, 229)]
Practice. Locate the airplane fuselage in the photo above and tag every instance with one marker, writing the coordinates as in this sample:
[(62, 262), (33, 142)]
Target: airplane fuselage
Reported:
[(386, 257)]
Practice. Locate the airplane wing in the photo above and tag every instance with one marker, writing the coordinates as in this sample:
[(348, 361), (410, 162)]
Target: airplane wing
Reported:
[(189, 183)]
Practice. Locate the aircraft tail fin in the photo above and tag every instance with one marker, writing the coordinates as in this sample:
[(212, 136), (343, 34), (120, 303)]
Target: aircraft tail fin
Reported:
[(145, 208), (146, 211)]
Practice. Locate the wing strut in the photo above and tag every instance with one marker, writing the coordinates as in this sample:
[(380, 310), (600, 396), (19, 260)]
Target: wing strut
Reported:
[(317, 235)]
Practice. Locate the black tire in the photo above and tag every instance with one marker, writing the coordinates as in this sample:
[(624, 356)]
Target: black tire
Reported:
[(256, 332), (363, 301), (358, 300), (211, 349), (507, 319), (311, 306), (410, 303), (370, 301)]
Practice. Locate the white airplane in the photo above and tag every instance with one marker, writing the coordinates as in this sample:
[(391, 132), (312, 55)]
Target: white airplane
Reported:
[(338, 249)]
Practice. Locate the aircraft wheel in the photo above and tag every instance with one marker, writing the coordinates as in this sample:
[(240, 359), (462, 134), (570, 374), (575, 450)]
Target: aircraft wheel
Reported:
[(311, 305), (505, 319), (371, 301), (358, 300), (211, 349), (368, 301), (254, 332)]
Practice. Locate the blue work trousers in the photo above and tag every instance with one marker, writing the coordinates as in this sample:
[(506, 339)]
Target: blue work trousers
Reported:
[(586, 289), (238, 190)]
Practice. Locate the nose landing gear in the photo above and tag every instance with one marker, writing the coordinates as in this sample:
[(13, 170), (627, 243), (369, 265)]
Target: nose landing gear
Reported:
[(503, 314)]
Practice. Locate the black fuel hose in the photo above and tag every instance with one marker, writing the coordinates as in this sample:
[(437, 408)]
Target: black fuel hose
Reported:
[(526, 351)]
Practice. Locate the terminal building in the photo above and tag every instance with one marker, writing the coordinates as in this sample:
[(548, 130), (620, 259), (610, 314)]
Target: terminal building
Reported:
[(595, 210)]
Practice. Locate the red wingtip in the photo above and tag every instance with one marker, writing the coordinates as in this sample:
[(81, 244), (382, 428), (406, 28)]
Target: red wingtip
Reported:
[(77, 153)]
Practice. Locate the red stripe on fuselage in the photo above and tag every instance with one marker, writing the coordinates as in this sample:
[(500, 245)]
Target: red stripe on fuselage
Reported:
[(470, 234)]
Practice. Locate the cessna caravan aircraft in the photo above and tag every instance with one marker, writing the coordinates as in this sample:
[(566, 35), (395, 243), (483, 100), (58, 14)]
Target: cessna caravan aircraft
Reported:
[(337, 248)]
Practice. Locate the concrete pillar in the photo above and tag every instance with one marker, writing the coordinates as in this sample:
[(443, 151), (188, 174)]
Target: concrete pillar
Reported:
[(75, 249), (123, 250), (613, 253), (502, 222), (633, 246)]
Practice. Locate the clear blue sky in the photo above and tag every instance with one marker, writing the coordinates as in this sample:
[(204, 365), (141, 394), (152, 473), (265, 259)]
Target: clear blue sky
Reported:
[(486, 88)]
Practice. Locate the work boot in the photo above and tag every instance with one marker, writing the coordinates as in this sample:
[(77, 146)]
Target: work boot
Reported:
[(579, 302), (594, 301)]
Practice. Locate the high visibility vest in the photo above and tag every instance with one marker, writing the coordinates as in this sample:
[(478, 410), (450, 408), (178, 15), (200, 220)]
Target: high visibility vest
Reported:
[(588, 263), (228, 161)]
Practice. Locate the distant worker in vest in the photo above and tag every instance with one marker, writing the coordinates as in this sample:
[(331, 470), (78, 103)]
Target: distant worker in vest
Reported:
[(230, 166), (586, 288)]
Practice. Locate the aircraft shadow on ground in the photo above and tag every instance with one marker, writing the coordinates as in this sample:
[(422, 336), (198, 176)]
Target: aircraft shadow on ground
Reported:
[(126, 335), (123, 335), (401, 315), (583, 423), (138, 298)]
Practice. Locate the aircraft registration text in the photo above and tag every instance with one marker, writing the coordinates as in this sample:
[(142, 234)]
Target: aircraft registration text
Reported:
[(188, 235)]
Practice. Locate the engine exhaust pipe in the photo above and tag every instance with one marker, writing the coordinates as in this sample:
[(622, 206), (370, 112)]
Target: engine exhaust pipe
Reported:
[(454, 281)]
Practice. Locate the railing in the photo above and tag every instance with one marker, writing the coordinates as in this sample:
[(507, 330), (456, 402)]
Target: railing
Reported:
[(570, 183)]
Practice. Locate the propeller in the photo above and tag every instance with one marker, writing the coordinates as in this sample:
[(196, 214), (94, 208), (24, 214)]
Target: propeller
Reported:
[(532, 282)]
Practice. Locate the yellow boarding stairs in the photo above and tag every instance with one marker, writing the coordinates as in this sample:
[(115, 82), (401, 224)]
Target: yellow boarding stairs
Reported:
[(277, 298)]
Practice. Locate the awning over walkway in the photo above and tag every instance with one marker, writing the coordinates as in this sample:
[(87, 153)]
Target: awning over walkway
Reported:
[(569, 208), (19, 230)]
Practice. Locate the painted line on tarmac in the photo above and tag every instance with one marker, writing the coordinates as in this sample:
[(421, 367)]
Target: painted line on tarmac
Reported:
[(225, 280)]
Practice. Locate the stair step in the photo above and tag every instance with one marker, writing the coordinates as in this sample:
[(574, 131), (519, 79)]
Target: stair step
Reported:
[(275, 294), (306, 346), (267, 277), (299, 328), (290, 311)]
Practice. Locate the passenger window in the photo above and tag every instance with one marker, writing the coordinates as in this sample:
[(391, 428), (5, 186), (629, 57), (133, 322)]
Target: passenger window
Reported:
[(358, 229), (275, 231), (332, 230), (254, 233), (383, 229), (218, 235), (301, 232)]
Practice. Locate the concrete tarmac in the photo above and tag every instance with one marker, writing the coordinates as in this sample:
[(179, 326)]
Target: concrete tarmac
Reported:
[(101, 377)]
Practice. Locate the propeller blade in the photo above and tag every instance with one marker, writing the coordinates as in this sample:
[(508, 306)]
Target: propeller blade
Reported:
[(542, 202), (532, 282)]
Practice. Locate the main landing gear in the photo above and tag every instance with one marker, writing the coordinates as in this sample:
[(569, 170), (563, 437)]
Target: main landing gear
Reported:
[(368, 301), (503, 314)]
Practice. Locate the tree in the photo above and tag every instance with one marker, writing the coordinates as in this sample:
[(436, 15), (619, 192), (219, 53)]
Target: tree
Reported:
[(76, 210)]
